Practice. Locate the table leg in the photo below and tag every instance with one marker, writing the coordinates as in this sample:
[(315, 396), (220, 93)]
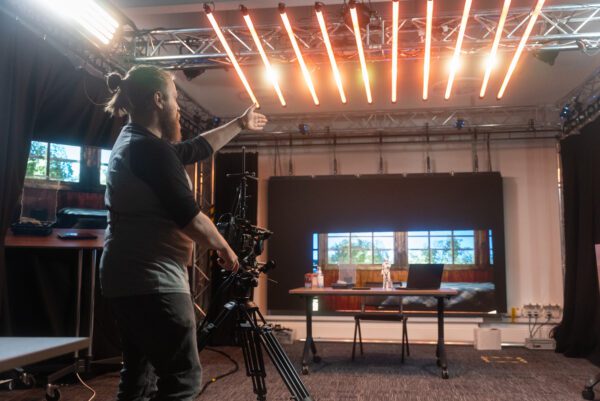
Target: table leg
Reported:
[(92, 299), (309, 345), (440, 349), (78, 300)]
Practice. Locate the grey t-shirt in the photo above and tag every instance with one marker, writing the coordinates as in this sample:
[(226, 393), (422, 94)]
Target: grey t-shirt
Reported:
[(149, 198)]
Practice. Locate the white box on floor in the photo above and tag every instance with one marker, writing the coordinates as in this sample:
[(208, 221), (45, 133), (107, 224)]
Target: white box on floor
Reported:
[(487, 339)]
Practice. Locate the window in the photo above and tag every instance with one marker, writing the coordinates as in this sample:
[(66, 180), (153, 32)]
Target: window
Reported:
[(104, 157), (491, 247), (51, 161), (448, 247), (360, 248)]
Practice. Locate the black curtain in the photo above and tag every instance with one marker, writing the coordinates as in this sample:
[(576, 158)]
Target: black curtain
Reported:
[(43, 97), (578, 335)]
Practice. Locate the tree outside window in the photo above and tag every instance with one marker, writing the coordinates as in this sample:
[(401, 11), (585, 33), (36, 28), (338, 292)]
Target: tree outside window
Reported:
[(444, 246), (53, 161), (360, 248)]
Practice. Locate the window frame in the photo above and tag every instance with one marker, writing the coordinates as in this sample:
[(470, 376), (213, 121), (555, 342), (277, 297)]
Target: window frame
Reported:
[(430, 250), (46, 179)]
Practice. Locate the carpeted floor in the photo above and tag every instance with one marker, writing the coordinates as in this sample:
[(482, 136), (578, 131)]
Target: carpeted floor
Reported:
[(510, 374)]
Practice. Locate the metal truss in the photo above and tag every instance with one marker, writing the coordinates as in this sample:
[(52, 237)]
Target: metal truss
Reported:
[(407, 126), (581, 105), (561, 27)]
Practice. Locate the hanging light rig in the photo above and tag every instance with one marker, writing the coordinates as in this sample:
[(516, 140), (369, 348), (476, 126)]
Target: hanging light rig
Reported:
[(395, 12), (427, 57), (305, 72), (492, 57), (232, 59), (334, 68), (532, 19), (456, 57), (272, 76), (359, 47)]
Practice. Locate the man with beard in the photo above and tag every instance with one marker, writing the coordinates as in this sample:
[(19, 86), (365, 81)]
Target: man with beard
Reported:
[(152, 221)]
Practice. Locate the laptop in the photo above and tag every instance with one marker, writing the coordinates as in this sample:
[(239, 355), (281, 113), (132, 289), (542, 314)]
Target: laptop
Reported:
[(424, 276)]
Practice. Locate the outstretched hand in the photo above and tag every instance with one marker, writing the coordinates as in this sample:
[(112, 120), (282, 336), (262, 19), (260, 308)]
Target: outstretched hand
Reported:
[(253, 120)]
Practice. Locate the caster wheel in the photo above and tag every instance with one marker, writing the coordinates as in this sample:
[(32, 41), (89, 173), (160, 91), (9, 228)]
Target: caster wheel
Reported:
[(588, 394), (52, 393), (316, 359), (7, 384), (445, 374), (304, 370), (27, 380)]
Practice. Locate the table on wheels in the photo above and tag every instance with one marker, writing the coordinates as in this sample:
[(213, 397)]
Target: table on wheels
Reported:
[(310, 293), (81, 246)]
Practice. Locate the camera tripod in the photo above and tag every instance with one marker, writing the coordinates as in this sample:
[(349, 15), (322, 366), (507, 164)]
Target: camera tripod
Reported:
[(254, 333)]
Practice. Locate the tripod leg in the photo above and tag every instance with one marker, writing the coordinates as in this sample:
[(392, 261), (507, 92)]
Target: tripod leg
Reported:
[(284, 365), (278, 356), (253, 359)]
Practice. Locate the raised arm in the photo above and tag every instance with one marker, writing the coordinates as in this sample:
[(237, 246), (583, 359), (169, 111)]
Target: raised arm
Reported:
[(202, 146)]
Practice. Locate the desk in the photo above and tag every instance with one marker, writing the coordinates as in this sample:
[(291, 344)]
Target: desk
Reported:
[(310, 293), (53, 242)]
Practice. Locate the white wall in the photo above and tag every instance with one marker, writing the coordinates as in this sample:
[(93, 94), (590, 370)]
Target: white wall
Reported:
[(531, 207)]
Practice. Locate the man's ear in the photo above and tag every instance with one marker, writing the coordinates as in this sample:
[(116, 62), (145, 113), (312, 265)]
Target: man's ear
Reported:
[(159, 100)]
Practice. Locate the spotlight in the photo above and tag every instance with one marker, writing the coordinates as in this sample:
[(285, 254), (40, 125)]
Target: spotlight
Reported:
[(89, 15), (533, 17), (334, 67), (270, 73), (460, 123), (566, 112), (213, 22), (427, 57), (292, 36), (216, 121), (304, 129), (492, 56), (191, 73)]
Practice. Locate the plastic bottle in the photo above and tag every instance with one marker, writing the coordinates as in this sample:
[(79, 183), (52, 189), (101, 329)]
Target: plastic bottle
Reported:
[(320, 278)]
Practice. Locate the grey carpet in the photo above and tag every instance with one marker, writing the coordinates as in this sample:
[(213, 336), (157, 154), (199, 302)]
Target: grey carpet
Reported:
[(379, 375)]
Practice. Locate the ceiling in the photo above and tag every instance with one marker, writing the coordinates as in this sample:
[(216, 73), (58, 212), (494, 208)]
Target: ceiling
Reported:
[(221, 92)]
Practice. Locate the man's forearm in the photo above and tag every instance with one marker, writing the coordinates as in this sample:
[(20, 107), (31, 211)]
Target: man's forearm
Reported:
[(220, 136), (203, 231)]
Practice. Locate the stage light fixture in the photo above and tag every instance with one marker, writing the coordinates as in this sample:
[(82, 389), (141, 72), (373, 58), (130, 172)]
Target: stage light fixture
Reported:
[(532, 19), (232, 59), (94, 19), (270, 73), (456, 57), (334, 67), (305, 72), (460, 123), (395, 12), (427, 58), (359, 46), (304, 128), (493, 53)]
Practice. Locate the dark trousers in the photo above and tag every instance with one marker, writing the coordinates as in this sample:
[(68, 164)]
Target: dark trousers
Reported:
[(160, 353)]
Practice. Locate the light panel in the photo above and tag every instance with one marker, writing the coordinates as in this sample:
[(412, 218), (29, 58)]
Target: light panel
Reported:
[(230, 54), (270, 73), (427, 58), (361, 54), (305, 72), (395, 12), (334, 68), (456, 57), (95, 20), (492, 57), (522, 42)]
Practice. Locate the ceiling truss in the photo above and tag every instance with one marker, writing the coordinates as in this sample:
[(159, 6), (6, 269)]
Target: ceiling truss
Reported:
[(561, 27)]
